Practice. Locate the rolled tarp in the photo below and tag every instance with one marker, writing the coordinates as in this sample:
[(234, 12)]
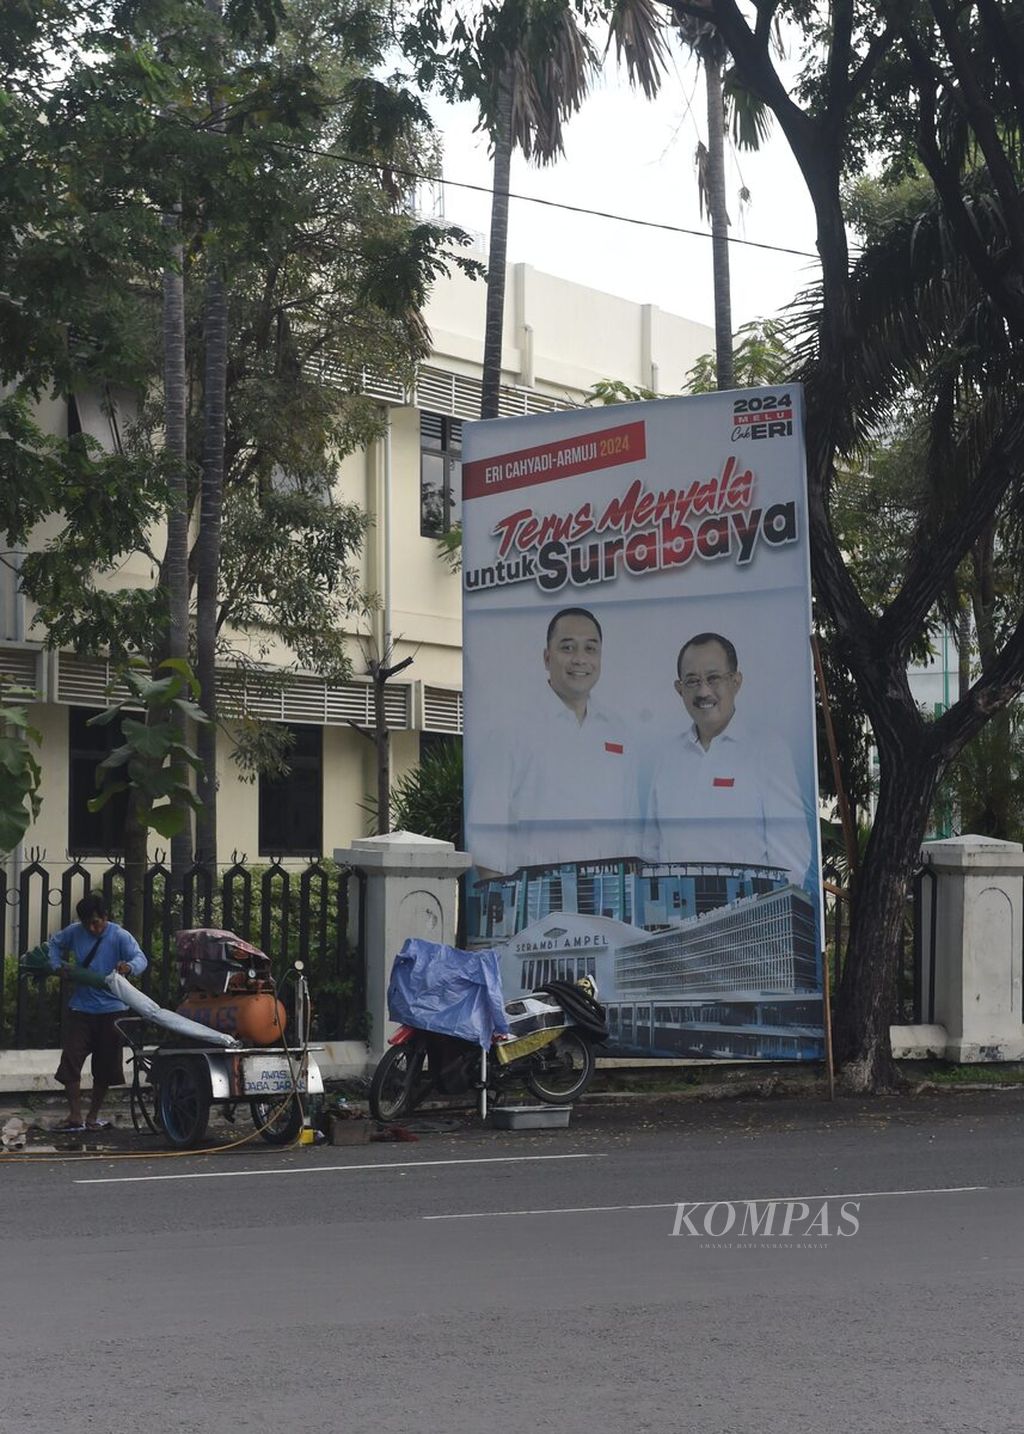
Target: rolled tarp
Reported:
[(144, 1006)]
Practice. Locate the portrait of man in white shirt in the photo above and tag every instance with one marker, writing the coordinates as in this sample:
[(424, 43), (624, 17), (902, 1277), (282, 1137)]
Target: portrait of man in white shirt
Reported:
[(566, 785), (723, 790)]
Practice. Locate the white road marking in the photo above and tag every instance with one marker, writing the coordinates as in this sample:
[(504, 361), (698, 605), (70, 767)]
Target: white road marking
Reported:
[(321, 1169), (697, 1204)]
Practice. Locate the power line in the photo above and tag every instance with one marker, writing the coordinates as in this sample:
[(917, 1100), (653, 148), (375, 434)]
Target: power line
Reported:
[(630, 219), (533, 199)]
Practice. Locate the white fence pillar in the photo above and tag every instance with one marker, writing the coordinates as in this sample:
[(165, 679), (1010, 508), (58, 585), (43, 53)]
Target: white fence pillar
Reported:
[(411, 890), (979, 929)]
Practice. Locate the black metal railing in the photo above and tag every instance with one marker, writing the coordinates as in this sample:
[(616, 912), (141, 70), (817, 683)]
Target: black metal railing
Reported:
[(314, 914)]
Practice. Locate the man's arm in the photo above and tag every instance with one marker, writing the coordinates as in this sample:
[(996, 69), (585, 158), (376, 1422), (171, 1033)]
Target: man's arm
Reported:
[(57, 948), (130, 953)]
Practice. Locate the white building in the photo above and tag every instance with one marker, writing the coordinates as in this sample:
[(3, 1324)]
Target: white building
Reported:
[(560, 339)]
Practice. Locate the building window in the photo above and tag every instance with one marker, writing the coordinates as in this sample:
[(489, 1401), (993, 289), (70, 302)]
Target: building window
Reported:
[(92, 833), (292, 808), (440, 474), (435, 744)]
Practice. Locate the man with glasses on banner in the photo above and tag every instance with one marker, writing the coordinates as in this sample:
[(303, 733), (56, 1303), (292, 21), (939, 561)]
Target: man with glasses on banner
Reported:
[(723, 791)]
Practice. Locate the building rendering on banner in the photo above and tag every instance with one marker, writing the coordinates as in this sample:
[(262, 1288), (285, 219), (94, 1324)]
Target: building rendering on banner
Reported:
[(560, 339), (739, 975)]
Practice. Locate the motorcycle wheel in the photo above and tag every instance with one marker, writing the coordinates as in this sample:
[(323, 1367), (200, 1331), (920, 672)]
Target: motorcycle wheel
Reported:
[(397, 1086), (560, 1072)]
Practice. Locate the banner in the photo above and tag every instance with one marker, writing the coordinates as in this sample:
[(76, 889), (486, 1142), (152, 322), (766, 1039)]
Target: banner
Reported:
[(641, 790)]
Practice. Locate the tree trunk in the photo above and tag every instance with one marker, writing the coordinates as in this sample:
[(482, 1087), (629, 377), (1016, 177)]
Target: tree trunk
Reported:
[(174, 570), (136, 836), (215, 368), (208, 551), (496, 253), (865, 1004), (718, 210), (963, 649)]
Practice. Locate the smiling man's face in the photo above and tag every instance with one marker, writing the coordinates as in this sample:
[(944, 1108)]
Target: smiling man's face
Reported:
[(708, 688), (573, 658)]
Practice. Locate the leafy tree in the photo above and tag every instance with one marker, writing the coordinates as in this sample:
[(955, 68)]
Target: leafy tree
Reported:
[(277, 152), (20, 775), (935, 92), (149, 764)]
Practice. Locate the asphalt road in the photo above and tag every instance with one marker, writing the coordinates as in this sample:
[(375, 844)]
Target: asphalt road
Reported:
[(477, 1281)]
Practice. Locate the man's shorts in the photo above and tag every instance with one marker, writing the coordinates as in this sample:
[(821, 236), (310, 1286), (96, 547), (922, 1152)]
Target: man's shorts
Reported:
[(91, 1033)]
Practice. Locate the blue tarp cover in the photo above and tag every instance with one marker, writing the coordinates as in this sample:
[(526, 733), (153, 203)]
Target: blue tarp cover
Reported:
[(455, 993)]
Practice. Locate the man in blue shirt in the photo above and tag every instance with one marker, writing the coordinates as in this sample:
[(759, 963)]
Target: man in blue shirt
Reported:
[(102, 946)]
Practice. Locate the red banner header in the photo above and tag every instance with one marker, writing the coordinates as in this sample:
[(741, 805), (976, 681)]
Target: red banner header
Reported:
[(607, 448)]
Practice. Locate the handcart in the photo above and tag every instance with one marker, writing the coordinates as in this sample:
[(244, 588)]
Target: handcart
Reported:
[(249, 1055)]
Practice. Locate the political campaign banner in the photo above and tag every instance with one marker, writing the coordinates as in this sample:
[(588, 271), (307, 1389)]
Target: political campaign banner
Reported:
[(640, 788)]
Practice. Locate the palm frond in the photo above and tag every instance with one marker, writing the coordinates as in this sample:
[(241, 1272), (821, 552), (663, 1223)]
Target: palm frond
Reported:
[(750, 119), (637, 30)]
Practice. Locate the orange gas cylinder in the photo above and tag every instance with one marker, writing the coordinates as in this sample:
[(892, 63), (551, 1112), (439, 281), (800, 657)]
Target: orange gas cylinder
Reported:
[(257, 1017)]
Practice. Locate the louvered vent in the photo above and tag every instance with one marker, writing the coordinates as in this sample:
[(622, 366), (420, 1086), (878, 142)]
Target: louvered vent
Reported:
[(442, 709), (310, 700), (362, 380), (454, 393), (21, 665), (86, 682), (445, 392)]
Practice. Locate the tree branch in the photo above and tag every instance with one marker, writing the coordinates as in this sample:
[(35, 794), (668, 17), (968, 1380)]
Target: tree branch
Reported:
[(977, 110), (933, 564), (1004, 44), (993, 691), (947, 178)]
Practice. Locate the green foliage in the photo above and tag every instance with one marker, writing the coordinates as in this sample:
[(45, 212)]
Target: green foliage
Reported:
[(449, 548), (984, 786), (261, 749), (536, 49), (613, 390), (760, 356), (428, 799), (20, 775), (151, 762), (282, 156)]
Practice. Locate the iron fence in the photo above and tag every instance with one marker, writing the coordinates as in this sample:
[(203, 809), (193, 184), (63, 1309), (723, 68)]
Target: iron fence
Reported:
[(314, 915)]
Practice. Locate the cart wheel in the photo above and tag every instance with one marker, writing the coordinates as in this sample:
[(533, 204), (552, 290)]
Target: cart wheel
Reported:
[(278, 1121), (184, 1101), (142, 1098)]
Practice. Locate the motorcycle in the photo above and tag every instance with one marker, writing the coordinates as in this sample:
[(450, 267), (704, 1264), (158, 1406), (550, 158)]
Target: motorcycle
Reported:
[(549, 1049)]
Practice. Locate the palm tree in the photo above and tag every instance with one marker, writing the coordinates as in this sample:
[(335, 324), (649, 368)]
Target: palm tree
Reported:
[(174, 573), (750, 126), (529, 68), (534, 68)]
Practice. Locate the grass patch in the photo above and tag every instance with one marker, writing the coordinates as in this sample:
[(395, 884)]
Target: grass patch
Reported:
[(1012, 1074)]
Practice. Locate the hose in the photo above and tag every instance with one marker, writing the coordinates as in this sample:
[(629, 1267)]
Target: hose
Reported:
[(582, 1009)]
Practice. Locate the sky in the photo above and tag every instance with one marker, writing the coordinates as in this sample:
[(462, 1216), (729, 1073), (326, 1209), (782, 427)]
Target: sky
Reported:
[(629, 156)]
